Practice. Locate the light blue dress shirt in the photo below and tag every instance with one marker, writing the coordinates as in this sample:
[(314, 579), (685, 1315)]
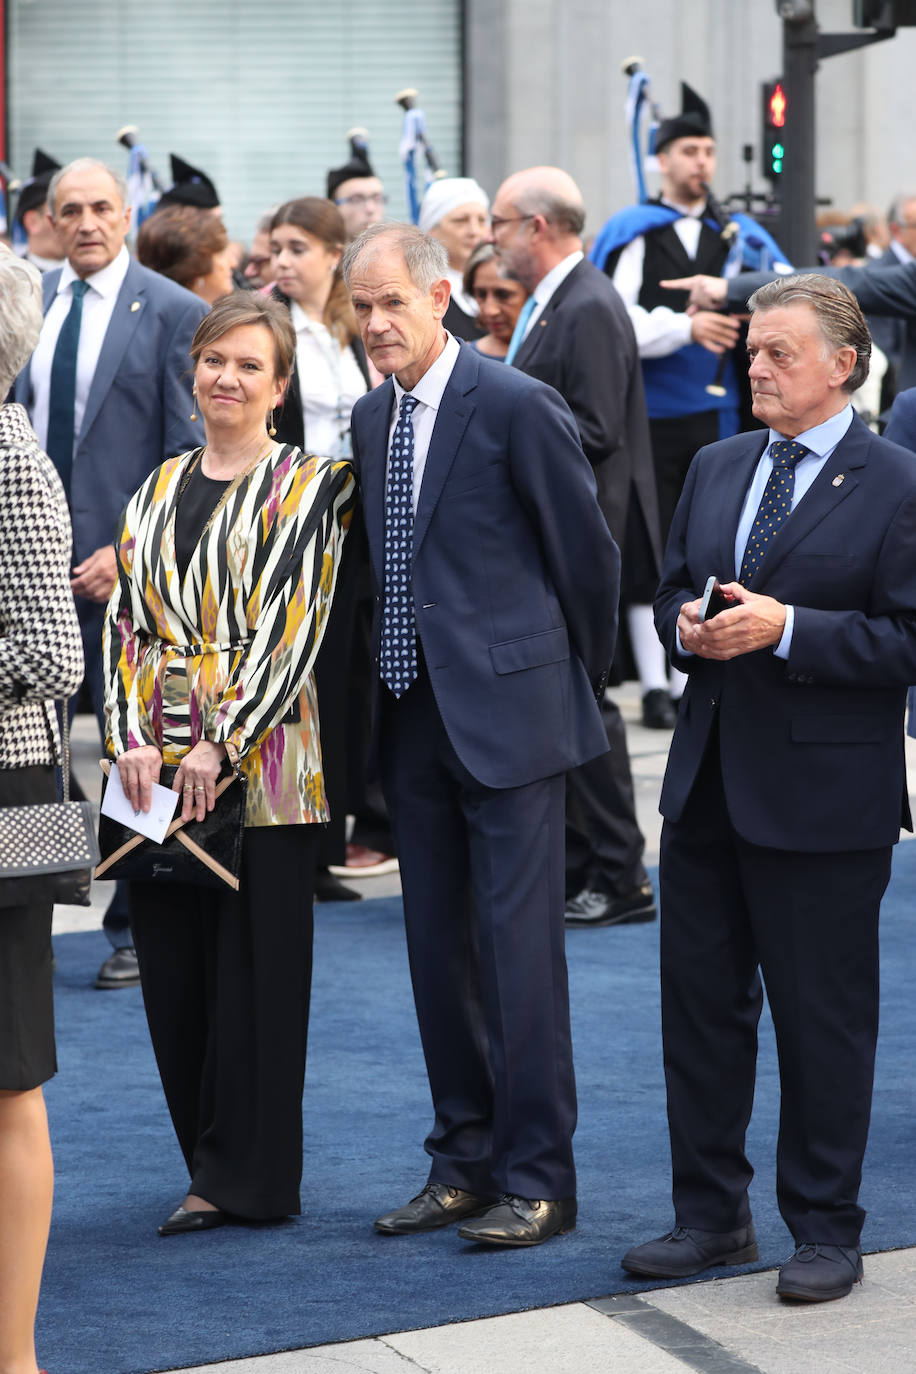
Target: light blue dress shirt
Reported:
[(821, 440)]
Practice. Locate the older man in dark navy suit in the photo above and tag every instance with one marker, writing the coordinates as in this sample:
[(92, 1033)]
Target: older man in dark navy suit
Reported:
[(497, 582), (785, 791), (108, 391)]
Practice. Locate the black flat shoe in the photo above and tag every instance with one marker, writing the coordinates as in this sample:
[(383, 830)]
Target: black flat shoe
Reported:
[(181, 1222), (686, 1251), (820, 1273)]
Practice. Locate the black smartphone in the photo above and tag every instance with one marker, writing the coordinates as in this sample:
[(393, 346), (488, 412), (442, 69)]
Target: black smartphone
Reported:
[(714, 599)]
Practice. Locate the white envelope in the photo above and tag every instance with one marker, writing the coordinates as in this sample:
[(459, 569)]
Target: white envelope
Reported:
[(152, 823)]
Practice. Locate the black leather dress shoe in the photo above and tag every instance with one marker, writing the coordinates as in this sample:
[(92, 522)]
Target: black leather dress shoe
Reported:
[(181, 1222), (819, 1273), (521, 1221), (685, 1251), (592, 907), (120, 970), (438, 1205), (658, 710)]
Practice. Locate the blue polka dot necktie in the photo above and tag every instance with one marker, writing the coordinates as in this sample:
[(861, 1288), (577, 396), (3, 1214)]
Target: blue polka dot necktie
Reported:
[(398, 666), (62, 393), (775, 505)]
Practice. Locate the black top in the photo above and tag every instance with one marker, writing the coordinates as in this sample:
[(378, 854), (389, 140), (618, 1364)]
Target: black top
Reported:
[(197, 503)]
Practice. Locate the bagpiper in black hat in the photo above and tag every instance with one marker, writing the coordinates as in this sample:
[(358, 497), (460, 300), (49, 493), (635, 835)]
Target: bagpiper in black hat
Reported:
[(693, 121), (358, 166), (34, 192), (190, 187)]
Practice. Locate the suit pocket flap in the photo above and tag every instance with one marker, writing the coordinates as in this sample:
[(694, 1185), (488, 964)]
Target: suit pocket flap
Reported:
[(841, 729), (532, 651)]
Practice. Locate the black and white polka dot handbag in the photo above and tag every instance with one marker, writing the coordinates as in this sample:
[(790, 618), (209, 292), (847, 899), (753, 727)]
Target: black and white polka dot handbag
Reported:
[(48, 850)]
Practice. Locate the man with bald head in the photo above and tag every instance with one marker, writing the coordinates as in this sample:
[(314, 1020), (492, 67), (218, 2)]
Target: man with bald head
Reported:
[(496, 584), (108, 392), (575, 335)]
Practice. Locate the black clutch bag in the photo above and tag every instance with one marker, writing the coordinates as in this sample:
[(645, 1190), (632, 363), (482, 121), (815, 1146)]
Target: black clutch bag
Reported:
[(205, 853)]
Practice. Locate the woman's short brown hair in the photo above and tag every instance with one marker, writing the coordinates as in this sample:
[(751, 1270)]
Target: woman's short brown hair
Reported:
[(243, 308), (181, 242)]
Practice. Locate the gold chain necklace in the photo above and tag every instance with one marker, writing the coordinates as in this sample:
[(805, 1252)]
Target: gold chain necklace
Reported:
[(233, 486)]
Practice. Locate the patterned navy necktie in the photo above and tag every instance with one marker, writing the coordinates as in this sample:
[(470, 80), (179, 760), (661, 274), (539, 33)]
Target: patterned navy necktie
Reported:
[(775, 505), (62, 394), (398, 666)]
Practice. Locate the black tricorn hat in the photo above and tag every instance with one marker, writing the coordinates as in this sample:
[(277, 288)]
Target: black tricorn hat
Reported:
[(191, 187), (34, 192), (358, 166), (693, 120)]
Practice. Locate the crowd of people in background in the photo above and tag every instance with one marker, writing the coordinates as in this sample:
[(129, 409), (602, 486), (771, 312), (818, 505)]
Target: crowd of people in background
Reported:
[(527, 404)]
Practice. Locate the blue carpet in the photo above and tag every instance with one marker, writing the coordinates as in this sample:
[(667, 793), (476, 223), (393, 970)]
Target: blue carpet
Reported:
[(119, 1300)]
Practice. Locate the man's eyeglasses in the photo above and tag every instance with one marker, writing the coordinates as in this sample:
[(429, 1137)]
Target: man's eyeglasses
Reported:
[(374, 198), (497, 221)]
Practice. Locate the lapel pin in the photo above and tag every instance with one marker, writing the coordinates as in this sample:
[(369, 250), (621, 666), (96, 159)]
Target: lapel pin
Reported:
[(542, 323), (134, 305), (839, 479)]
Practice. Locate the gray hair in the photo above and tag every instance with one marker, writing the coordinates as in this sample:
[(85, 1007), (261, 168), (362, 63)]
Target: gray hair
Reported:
[(839, 316), (425, 258), (568, 215), (896, 211), (20, 315), (85, 164)]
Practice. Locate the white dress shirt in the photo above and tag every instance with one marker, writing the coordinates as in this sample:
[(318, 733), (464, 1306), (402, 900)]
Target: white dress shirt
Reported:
[(548, 284), (660, 331), (330, 384), (428, 391), (98, 308)]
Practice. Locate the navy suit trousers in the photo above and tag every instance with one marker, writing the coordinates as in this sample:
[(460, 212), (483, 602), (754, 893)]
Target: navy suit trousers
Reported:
[(482, 873), (808, 922)]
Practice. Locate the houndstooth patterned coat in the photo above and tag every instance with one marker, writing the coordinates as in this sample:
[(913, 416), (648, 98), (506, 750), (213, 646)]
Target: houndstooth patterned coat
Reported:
[(41, 652)]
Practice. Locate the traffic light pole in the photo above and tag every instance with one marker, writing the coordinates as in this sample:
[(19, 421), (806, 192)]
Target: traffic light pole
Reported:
[(798, 228), (802, 46)]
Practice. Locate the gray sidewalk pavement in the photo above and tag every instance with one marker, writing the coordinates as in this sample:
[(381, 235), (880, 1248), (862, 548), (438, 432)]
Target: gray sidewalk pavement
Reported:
[(726, 1326)]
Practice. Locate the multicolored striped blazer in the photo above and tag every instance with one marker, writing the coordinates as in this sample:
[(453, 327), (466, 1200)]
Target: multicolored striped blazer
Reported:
[(225, 653)]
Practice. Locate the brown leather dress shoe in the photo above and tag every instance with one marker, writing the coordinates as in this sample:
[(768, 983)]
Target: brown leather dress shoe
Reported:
[(521, 1221), (438, 1205)]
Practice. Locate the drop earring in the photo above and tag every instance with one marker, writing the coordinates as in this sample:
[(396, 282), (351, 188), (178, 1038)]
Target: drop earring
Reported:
[(271, 427), (194, 408)]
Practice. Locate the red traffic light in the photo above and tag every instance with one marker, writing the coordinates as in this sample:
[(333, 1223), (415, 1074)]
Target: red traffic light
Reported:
[(776, 107)]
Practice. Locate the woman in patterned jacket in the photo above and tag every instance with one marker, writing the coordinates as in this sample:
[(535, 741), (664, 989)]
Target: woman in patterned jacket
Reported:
[(41, 658), (227, 564)]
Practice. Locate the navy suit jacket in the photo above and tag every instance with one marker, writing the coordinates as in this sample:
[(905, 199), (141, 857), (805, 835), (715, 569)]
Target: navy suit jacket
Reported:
[(901, 427), (139, 400), (515, 575), (811, 747)]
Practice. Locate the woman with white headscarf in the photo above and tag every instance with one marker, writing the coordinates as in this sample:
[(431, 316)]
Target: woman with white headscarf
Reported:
[(455, 210)]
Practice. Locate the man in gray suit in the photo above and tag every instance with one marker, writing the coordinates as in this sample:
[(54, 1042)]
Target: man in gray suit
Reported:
[(108, 391)]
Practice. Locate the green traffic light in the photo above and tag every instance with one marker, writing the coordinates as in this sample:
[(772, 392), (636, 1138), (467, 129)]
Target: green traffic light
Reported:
[(778, 150)]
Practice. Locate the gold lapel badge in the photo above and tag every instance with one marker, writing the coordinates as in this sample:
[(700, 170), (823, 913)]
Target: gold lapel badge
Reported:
[(839, 479), (134, 305)]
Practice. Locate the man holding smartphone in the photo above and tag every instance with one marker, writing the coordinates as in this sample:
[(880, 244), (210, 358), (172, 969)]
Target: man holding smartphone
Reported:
[(785, 791)]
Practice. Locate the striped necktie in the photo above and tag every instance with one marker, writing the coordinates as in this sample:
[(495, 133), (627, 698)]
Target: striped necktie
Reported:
[(398, 649), (62, 394), (775, 505)]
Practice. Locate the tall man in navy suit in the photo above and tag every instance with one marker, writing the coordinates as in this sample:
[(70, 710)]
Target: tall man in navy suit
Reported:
[(130, 401), (785, 791), (497, 587)]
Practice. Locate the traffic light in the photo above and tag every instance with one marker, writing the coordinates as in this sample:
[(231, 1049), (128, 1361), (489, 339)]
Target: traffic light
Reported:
[(775, 123), (884, 15)]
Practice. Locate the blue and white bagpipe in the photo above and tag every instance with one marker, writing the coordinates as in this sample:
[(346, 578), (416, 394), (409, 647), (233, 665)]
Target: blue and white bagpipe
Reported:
[(143, 185), (416, 153)]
